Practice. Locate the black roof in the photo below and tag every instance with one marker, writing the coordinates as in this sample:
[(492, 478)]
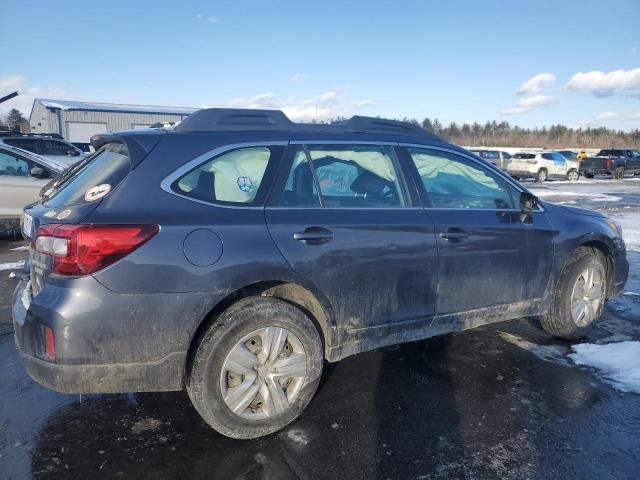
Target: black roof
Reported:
[(38, 135), (238, 120)]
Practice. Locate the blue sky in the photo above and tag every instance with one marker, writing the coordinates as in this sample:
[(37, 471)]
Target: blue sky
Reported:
[(457, 61)]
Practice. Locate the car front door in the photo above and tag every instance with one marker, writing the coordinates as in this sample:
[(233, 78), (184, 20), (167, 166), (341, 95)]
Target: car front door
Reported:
[(487, 256), (17, 186), (345, 219)]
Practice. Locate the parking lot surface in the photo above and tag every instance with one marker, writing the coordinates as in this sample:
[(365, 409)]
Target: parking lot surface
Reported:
[(503, 401)]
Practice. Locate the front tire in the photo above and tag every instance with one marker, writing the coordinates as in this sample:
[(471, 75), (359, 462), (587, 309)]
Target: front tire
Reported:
[(573, 175), (541, 176), (579, 296), (256, 368)]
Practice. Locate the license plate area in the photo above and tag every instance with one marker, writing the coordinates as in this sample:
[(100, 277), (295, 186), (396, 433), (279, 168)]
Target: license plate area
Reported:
[(27, 225)]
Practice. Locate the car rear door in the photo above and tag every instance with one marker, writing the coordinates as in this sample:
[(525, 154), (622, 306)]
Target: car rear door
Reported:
[(487, 256), (17, 186), (346, 220)]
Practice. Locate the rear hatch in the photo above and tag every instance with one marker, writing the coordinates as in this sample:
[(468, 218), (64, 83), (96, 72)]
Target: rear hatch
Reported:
[(75, 194), (595, 163), (522, 162)]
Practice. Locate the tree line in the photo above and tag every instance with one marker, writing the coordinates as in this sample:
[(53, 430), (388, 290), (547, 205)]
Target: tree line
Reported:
[(502, 134)]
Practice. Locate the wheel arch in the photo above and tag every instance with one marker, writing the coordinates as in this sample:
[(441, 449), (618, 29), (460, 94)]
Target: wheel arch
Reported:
[(319, 312)]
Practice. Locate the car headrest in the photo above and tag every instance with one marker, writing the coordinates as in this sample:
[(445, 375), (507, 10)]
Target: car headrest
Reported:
[(369, 183)]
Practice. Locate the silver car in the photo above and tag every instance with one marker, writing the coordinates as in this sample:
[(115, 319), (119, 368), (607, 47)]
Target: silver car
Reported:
[(22, 176), (51, 146)]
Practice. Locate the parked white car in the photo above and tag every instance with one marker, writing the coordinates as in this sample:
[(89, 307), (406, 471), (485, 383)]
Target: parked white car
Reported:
[(22, 176), (542, 166)]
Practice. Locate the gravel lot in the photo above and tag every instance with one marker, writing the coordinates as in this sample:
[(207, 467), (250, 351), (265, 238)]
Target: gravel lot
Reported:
[(504, 401)]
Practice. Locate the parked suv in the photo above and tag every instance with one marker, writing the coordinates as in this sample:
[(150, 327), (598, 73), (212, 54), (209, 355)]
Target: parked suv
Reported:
[(495, 157), (236, 253), (51, 146), (542, 166)]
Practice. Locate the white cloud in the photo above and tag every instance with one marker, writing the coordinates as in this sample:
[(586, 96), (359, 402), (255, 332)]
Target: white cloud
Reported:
[(330, 104), (606, 115), (209, 19), (635, 115), (299, 77), (530, 102), (605, 84), (535, 83), (26, 94)]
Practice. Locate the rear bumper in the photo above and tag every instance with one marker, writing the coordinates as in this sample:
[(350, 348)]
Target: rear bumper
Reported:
[(595, 171), (105, 342), (164, 375)]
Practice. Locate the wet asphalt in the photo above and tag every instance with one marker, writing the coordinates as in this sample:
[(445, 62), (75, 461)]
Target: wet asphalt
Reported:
[(502, 401)]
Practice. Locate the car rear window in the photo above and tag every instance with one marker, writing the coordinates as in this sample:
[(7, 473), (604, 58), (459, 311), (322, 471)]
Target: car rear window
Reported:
[(234, 177), (611, 153), (92, 178)]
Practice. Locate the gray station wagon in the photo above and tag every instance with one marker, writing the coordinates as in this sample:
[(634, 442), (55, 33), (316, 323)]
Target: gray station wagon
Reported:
[(235, 254)]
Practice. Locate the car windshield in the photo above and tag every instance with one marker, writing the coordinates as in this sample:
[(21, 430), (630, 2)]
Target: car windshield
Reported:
[(105, 169)]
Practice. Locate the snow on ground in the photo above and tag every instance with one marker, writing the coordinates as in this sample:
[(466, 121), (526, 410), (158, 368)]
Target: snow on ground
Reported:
[(12, 265), (617, 363), (594, 198), (630, 223)]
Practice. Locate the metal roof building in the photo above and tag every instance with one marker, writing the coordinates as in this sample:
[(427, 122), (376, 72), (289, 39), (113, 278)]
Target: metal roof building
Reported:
[(78, 121)]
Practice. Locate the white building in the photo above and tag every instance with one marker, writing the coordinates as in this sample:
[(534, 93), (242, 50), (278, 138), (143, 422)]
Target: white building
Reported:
[(78, 121)]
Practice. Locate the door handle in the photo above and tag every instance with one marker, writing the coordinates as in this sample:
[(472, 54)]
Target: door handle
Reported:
[(454, 235), (314, 235)]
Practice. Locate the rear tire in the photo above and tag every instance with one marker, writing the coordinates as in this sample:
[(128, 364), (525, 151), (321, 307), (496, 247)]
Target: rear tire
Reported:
[(571, 314), (541, 176), (240, 363), (619, 173), (588, 175)]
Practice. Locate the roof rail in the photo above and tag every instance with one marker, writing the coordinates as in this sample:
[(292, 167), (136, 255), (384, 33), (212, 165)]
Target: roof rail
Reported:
[(234, 119), (239, 119), (360, 124)]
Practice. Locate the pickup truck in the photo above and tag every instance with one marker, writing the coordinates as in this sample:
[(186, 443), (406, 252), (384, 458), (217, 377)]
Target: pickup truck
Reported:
[(614, 161)]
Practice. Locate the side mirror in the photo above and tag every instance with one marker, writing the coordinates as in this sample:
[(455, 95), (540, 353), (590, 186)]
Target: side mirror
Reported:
[(38, 172), (72, 153)]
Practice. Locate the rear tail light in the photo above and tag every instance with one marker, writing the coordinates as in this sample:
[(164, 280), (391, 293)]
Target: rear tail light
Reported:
[(49, 344), (607, 164), (84, 249)]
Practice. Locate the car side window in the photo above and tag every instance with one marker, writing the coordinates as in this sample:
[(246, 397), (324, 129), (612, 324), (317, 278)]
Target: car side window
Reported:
[(55, 147), (453, 181), (232, 177), (13, 166), (506, 156), (357, 176), (29, 144), (300, 190)]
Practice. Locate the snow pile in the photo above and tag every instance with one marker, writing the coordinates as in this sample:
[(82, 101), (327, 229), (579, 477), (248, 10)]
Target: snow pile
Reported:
[(12, 265), (618, 363)]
